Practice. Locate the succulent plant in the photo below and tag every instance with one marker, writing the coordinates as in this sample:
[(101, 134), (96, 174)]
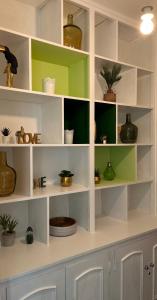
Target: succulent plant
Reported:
[(111, 76), (5, 131), (7, 223), (65, 173)]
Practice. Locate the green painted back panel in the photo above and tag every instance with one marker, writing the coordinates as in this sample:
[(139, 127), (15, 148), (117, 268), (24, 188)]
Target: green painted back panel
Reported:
[(105, 117), (41, 69), (69, 68), (123, 161), (76, 116)]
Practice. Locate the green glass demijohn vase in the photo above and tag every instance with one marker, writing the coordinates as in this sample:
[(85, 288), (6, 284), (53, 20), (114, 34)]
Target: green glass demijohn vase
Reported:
[(7, 177), (109, 173), (129, 131)]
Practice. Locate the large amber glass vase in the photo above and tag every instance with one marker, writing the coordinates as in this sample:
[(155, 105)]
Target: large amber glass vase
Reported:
[(7, 176), (72, 34)]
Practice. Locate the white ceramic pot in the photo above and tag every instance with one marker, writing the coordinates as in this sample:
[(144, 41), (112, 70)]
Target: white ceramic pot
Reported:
[(68, 136), (5, 139), (49, 85)]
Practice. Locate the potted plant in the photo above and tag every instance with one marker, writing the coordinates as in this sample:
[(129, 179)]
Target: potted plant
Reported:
[(5, 135), (97, 177), (111, 76), (66, 178), (8, 225)]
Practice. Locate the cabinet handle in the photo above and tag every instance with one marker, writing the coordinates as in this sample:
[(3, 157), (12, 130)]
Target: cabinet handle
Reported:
[(151, 265), (146, 267)]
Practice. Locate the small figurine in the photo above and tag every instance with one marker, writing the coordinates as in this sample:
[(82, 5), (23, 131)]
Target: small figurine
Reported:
[(29, 235), (12, 65)]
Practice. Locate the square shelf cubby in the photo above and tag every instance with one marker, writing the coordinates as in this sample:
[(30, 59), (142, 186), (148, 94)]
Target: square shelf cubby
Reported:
[(50, 161), (29, 213), (80, 18), (111, 202), (142, 118), (125, 89), (44, 18), (66, 66), (74, 206), (35, 114), (19, 47), (105, 36), (145, 167), (145, 95), (133, 47), (76, 117), (105, 122), (19, 158), (123, 160), (140, 199)]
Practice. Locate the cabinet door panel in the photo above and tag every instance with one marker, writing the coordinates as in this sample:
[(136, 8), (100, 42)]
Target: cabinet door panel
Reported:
[(41, 294), (132, 276), (87, 278), (44, 285)]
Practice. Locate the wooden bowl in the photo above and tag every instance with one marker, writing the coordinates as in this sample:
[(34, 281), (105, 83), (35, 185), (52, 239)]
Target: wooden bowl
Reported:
[(62, 226)]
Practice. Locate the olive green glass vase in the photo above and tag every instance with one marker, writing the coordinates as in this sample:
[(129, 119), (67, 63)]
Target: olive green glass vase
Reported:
[(7, 177)]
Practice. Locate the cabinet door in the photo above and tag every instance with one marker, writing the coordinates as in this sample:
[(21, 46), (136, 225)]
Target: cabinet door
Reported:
[(2, 292), (87, 278), (127, 273), (45, 285), (155, 271), (132, 271)]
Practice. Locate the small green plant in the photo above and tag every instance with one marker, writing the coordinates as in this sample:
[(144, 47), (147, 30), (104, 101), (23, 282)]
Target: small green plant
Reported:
[(66, 173), (5, 131), (7, 223), (11, 225), (111, 76), (4, 220)]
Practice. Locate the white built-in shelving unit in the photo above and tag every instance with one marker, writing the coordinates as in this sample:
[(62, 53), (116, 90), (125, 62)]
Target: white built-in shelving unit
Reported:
[(36, 38)]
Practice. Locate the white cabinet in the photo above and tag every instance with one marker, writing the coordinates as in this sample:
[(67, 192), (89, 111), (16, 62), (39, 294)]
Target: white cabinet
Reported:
[(87, 278), (47, 285), (133, 271)]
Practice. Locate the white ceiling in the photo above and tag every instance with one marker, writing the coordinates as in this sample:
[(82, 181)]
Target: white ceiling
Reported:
[(130, 8)]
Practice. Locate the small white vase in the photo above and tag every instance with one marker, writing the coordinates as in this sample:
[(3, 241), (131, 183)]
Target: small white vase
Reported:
[(48, 85), (68, 136), (5, 139)]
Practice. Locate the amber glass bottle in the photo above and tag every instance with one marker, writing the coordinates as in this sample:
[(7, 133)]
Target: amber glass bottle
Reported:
[(7, 176), (72, 34)]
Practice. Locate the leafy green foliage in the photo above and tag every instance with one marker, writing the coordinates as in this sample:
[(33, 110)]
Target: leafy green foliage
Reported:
[(7, 223), (11, 225), (111, 76), (5, 131), (66, 173)]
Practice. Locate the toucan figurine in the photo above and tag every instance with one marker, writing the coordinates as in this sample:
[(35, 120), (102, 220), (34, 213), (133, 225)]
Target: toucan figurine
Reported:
[(12, 65)]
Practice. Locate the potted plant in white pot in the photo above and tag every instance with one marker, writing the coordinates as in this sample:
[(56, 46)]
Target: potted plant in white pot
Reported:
[(8, 225), (111, 76), (5, 135)]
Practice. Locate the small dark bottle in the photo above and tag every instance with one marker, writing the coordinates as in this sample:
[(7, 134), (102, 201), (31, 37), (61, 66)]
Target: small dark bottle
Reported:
[(129, 131), (29, 235)]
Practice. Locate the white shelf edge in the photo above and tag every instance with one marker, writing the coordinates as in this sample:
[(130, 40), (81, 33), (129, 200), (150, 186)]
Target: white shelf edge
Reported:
[(127, 183), (58, 191)]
